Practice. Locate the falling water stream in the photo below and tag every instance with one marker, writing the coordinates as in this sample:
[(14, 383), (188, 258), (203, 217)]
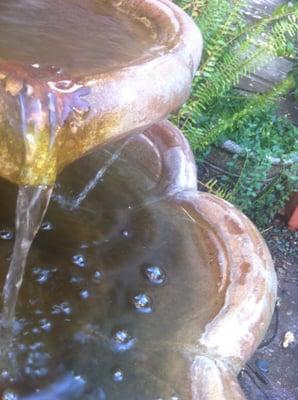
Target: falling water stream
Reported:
[(32, 204), (95, 36)]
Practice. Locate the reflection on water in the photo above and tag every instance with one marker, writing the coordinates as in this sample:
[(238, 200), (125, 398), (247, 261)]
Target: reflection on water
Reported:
[(103, 315), (72, 34)]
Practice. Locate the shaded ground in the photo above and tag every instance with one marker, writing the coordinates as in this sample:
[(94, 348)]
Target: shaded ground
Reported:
[(279, 379)]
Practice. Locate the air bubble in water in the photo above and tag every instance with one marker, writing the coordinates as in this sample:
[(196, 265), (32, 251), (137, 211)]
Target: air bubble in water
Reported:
[(84, 294), (47, 226), (5, 375), (155, 275), (63, 308), (118, 375), (42, 275), (142, 303), (45, 325), (79, 260), (6, 235), (9, 395), (97, 277), (122, 340)]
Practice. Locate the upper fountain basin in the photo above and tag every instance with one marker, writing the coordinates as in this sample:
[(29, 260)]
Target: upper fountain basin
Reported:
[(75, 75)]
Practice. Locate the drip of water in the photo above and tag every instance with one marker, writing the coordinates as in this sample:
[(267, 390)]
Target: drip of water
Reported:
[(32, 203)]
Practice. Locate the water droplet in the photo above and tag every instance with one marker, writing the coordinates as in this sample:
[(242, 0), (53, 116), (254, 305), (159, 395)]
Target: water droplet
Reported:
[(45, 325), (9, 395), (79, 260), (125, 233), (122, 340), (142, 303), (118, 375), (84, 294), (63, 308), (97, 277), (155, 275), (47, 226), (6, 235)]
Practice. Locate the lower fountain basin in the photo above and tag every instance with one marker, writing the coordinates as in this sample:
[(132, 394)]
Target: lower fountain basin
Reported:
[(137, 286)]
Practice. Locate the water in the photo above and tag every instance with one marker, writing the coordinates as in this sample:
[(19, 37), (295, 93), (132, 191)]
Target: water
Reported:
[(76, 35), (32, 203), (124, 323), (95, 313)]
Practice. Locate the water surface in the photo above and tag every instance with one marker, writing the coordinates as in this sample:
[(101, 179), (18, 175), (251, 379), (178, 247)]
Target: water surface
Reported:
[(117, 289), (78, 35)]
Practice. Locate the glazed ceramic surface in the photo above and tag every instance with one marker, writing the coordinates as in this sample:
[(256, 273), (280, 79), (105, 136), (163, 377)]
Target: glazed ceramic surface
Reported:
[(50, 115)]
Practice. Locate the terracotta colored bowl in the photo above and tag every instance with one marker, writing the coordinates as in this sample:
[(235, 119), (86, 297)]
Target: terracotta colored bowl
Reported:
[(130, 205), (219, 297), (87, 110), (235, 248)]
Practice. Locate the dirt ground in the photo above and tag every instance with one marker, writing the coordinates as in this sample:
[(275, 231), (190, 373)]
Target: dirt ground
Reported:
[(273, 371)]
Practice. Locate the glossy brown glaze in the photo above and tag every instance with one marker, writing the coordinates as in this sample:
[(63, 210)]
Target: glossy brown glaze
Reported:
[(248, 279), (69, 113)]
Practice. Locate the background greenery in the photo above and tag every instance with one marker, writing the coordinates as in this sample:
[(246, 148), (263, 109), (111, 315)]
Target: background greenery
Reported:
[(236, 45)]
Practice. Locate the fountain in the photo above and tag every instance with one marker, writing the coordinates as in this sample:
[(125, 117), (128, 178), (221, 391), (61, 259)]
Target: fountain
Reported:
[(137, 286)]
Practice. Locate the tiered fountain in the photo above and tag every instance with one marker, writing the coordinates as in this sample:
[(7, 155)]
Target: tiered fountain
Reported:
[(137, 287)]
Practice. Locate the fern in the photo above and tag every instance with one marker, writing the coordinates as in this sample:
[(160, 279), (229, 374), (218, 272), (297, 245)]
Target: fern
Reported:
[(212, 186), (234, 48)]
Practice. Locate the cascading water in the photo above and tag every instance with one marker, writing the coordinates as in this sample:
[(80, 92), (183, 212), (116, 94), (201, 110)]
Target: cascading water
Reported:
[(32, 204)]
